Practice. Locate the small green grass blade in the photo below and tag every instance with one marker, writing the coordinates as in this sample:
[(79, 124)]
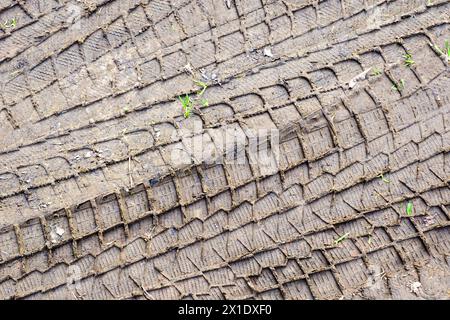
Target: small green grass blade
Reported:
[(9, 24), (399, 86), (408, 60), (187, 105), (341, 238), (385, 180), (409, 208), (202, 85), (376, 72)]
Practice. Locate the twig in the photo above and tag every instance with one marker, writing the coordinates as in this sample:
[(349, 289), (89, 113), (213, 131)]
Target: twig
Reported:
[(147, 295)]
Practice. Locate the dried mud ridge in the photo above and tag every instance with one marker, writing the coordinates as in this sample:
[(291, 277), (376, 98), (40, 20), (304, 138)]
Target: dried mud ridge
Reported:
[(92, 206)]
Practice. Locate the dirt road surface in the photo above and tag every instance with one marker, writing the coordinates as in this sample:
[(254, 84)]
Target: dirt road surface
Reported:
[(129, 167)]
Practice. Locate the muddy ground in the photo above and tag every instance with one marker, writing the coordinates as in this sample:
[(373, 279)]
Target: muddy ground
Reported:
[(171, 149)]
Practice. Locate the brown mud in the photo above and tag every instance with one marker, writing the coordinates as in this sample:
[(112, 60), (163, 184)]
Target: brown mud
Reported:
[(106, 194)]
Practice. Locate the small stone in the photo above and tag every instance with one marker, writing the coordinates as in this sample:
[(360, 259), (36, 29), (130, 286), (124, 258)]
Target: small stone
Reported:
[(268, 52), (59, 231), (415, 286)]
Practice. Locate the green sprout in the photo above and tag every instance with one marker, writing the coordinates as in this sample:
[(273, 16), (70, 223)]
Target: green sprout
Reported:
[(383, 178), (341, 238), (376, 72), (201, 84), (9, 24), (446, 48), (409, 208), (408, 60), (441, 51), (204, 102), (437, 49), (187, 105), (399, 86)]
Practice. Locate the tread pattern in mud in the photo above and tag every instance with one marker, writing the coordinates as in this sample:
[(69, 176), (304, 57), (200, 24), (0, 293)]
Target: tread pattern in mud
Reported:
[(89, 191)]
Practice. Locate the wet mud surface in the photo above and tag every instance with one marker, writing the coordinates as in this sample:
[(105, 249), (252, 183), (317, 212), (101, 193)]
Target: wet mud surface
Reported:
[(110, 190)]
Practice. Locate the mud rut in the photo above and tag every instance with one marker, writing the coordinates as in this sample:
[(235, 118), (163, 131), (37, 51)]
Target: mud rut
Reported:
[(93, 206)]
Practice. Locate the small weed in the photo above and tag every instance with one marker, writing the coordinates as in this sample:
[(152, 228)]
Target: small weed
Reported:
[(376, 72), (384, 179), (437, 49), (9, 24), (341, 238), (409, 208), (399, 86), (402, 84), (447, 48), (187, 104), (204, 103), (408, 60), (442, 52), (201, 84)]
